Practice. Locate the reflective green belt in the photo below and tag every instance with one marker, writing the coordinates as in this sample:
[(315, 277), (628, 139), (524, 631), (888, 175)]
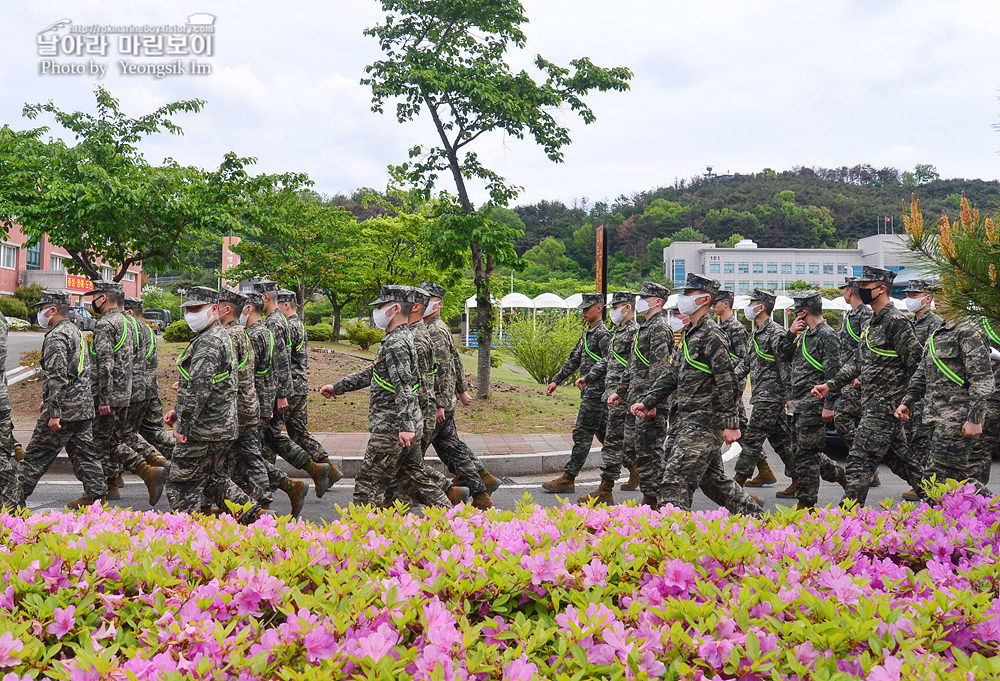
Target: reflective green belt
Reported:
[(586, 347), (805, 353), (635, 347), (83, 352), (387, 385), (221, 376), (761, 353), (618, 358), (270, 355), (878, 351), (247, 358), (952, 376), (990, 332), (700, 366), (850, 329)]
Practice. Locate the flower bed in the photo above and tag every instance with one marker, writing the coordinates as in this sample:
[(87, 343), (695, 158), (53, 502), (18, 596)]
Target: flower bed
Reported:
[(882, 593)]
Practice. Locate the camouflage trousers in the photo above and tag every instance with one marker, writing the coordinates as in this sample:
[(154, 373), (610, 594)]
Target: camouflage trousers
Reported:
[(146, 426), (10, 482), (78, 439), (201, 468), (646, 437), (768, 421), (879, 439), (696, 462), (917, 434), (948, 457), (387, 461), (275, 443), (848, 414), (811, 462), (296, 419), (616, 449), (987, 445), (249, 469), (591, 421), (455, 454), (673, 423), (112, 436)]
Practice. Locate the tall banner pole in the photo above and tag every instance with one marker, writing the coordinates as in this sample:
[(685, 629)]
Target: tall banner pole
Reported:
[(602, 263)]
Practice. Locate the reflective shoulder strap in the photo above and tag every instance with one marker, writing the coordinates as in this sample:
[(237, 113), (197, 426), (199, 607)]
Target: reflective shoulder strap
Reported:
[(247, 358), (878, 351), (635, 346), (988, 328), (805, 353), (83, 352), (761, 353), (951, 375), (586, 348), (121, 341), (184, 374), (850, 329), (614, 354), (386, 385), (223, 375), (700, 366)]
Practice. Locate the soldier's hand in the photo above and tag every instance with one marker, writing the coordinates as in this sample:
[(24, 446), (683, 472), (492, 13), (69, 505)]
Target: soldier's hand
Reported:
[(440, 414), (820, 391), (614, 399), (903, 412), (406, 438), (282, 404), (170, 418), (179, 437), (798, 325), (41, 406), (581, 383), (465, 397), (828, 415), (971, 429), (104, 410), (550, 388), (327, 391), (857, 382), (176, 383), (731, 435), (54, 424)]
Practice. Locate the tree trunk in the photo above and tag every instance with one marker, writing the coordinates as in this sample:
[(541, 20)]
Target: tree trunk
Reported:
[(484, 322), (301, 296), (336, 323)]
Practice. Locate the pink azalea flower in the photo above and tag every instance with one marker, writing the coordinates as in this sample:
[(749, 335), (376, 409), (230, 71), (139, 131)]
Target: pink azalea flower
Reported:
[(544, 568), (988, 630), (441, 626), (11, 676), (616, 637), (889, 670), (7, 598), (63, 621), (652, 666), (378, 644), (320, 643), (8, 647), (805, 654), (715, 652), (520, 669), (679, 575), (594, 574)]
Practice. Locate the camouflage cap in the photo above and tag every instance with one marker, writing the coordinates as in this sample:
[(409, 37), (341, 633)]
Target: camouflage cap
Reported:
[(254, 298), (651, 288), (231, 295), (724, 296), (435, 290), (422, 296), (763, 296), (105, 286), (922, 286), (591, 299), (286, 296), (869, 273), (53, 297), (803, 298), (700, 283), (850, 282), (265, 286), (623, 297), (133, 303), (396, 294), (200, 295)]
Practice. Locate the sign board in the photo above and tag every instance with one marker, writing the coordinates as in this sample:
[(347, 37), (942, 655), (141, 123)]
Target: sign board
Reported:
[(74, 282), (602, 262)]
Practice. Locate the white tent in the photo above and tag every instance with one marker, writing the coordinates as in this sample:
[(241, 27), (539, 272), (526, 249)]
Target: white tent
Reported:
[(516, 300), (548, 300), (783, 303), (573, 301), (836, 304)]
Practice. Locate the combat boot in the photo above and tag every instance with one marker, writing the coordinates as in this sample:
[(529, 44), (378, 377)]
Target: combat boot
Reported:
[(457, 495), (482, 501), (120, 481), (564, 483), (155, 477), (789, 492), (18, 453), (842, 476), (765, 476), (803, 507), (648, 500), (113, 493), (250, 515), (320, 474), (633, 480), (604, 494), (911, 495), (491, 481), (876, 482), (83, 502), (335, 474), (740, 479), (154, 459), (296, 491)]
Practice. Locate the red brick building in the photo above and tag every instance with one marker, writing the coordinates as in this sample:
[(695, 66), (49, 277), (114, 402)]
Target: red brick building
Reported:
[(46, 264)]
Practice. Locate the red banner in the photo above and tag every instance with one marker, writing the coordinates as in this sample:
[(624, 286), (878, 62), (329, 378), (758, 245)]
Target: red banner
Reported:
[(75, 282), (601, 265)]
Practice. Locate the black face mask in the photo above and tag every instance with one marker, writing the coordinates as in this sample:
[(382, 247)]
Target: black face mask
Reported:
[(95, 307), (868, 295)]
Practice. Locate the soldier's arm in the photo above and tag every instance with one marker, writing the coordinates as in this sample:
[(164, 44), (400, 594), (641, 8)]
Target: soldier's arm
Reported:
[(281, 364), (356, 381), (830, 352), (847, 373), (599, 370), (207, 361), (976, 358), (571, 364), (104, 350), (55, 359), (742, 368), (784, 346), (908, 347), (402, 375), (721, 365), (443, 360), (917, 387), (661, 346), (738, 345)]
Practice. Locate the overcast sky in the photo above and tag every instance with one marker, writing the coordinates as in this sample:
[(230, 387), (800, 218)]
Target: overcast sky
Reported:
[(737, 84)]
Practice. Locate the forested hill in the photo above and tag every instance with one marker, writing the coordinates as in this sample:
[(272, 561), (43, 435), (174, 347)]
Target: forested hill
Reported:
[(805, 207)]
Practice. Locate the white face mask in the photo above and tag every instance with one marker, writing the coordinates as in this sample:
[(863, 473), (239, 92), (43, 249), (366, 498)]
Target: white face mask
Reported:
[(199, 321), (432, 308), (244, 316), (914, 305), (382, 318), (45, 321), (642, 306), (618, 314), (751, 312), (687, 306), (676, 323)]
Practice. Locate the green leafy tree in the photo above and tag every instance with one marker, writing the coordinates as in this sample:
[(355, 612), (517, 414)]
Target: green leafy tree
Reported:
[(925, 172), (447, 59), (689, 234), (732, 240)]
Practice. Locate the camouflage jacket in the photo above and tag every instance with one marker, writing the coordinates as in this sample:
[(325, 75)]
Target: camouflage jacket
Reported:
[(139, 347), (954, 377), (247, 405), (449, 381), (701, 377), (991, 333), (814, 358), (393, 405), (425, 366), (263, 343), (150, 360), (66, 374), (925, 326), (850, 332), (298, 355), (588, 351), (739, 339), (206, 392), (885, 361), (769, 376), (650, 357), (281, 362), (4, 397), (613, 364), (114, 339)]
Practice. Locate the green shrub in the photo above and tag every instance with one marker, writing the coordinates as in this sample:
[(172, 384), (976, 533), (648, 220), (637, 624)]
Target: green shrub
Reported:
[(496, 360), (361, 334), (29, 295), (12, 307), (319, 332), (178, 332), (542, 344), (30, 358), (317, 311), (15, 324)]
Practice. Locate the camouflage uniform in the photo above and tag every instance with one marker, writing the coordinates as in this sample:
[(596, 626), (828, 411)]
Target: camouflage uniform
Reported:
[(393, 409), (296, 417), (739, 341), (592, 417), (10, 488), (704, 382), (918, 434), (247, 467), (988, 444), (955, 380), (885, 361), (276, 442), (608, 372), (262, 344), (768, 393), (814, 358), (147, 425), (650, 357), (206, 416), (66, 394), (849, 407)]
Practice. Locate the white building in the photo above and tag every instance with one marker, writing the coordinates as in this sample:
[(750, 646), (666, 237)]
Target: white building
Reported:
[(746, 267)]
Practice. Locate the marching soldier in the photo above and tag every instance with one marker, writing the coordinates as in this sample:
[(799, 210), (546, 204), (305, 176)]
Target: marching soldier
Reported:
[(10, 488), (738, 343), (768, 394), (149, 422), (954, 380), (137, 402), (205, 418), (394, 417), (608, 372), (67, 412), (650, 357), (888, 356), (678, 323), (591, 420), (849, 406), (704, 381), (988, 444), (812, 349), (296, 418)]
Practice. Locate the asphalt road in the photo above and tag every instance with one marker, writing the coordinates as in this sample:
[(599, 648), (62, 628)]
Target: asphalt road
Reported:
[(19, 342)]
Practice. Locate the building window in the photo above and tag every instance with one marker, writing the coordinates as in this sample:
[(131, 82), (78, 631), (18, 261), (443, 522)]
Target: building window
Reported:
[(730, 286), (8, 257), (713, 268), (857, 270), (786, 268), (814, 269), (772, 268), (800, 269), (841, 269), (827, 269), (828, 284), (744, 268), (680, 273), (129, 276), (758, 268), (728, 268), (56, 264), (107, 273), (744, 287), (758, 284), (772, 286), (33, 257)]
